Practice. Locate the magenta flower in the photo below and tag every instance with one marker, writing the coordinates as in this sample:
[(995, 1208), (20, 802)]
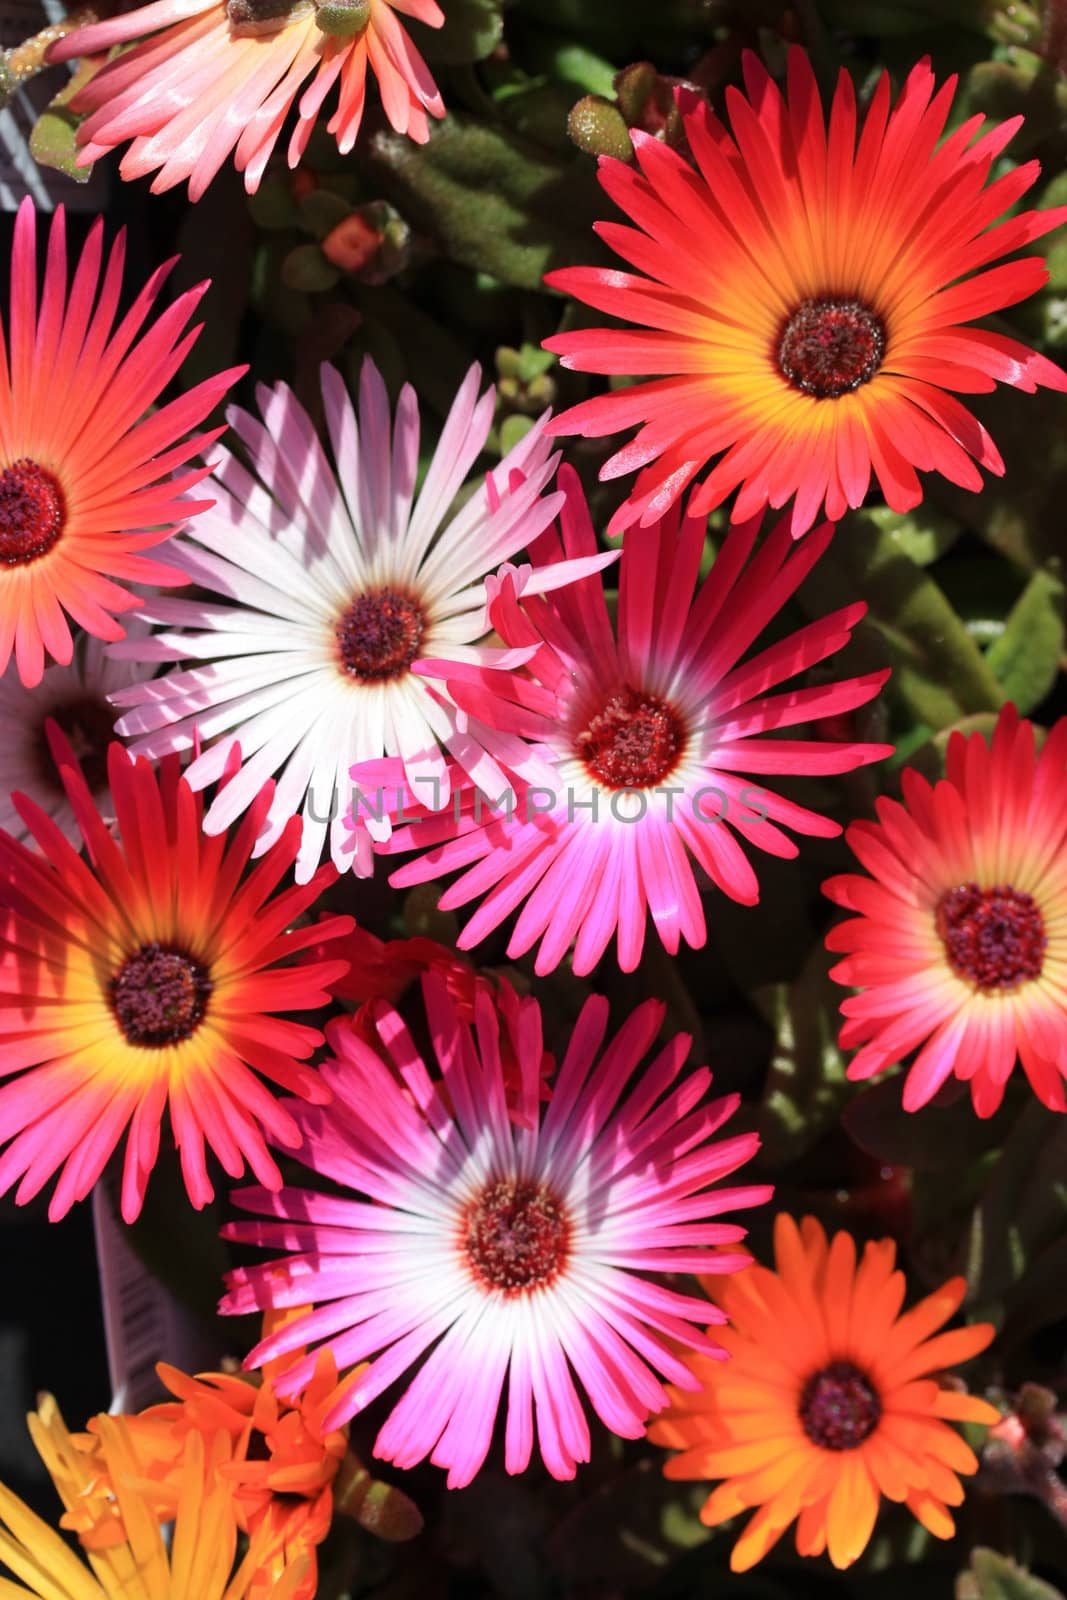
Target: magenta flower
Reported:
[(491, 1252), (651, 737)]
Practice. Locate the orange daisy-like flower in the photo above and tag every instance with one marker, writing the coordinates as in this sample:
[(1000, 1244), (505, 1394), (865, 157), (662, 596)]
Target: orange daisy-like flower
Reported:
[(801, 291), (148, 979), (829, 1399), (105, 1498), (959, 939), (85, 485), (280, 1471)]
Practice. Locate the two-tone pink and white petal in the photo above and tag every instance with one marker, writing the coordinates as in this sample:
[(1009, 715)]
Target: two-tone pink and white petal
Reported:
[(474, 1252), (333, 580)]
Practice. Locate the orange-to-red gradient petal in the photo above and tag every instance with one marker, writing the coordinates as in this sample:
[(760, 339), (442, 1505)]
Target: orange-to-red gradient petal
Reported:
[(87, 478), (799, 300), (149, 978)]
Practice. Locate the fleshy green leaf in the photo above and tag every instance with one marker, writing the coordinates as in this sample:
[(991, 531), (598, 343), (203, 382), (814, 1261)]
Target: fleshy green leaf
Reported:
[(53, 141), (492, 200), (1023, 1209), (993, 1577), (939, 672), (928, 1141), (306, 269), (472, 30), (806, 1084), (1026, 656), (379, 1508)]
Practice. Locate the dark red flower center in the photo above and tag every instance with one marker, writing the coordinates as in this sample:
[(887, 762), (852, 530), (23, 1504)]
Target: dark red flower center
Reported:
[(88, 725), (159, 995), (32, 512), (633, 742), (379, 635), (516, 1235), (839, 1407), (993, 937), (831, 346)]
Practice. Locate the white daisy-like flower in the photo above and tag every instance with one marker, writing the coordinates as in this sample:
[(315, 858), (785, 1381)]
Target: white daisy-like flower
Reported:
[(340, 581)]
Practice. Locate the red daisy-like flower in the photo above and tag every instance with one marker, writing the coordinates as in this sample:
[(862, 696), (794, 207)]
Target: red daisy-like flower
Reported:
[(148, 979), (958, 941), (801, 297), (85, 485)]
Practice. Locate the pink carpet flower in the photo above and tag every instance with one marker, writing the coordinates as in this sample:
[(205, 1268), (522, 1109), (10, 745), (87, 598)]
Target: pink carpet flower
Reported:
[(490, 1252), (803, 299), (342, 581), (205, 79), (654, 737), (958, 941), (85, 463), (148, 979)]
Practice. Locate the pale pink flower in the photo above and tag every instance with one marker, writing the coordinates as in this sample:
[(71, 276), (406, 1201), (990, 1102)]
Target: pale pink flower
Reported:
[(338, 582), (492, 1253), (205, 79)]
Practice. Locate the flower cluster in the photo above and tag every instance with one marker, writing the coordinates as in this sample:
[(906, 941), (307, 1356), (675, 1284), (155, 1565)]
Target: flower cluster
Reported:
[(501, 1213)]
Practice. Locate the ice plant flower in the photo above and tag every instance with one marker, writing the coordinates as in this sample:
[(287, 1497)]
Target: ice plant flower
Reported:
[(489, 1251), (75, 697), (85, 485), (146, 979), (829, 1401), (126, 1551), (958, 942), (209, 78), (653, 736), (804, 295), (342, 581), (281, 1470)]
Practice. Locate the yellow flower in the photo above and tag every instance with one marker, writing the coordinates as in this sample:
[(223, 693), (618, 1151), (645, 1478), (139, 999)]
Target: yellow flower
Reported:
[(102, 1491)]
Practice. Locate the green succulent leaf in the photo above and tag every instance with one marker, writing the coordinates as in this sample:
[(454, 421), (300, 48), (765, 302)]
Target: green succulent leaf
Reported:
[(490, 199), (939, 672), (1026, 656), (1023, 1209), (806, 1083), (472, 30), (53, 141), (993, 1577)]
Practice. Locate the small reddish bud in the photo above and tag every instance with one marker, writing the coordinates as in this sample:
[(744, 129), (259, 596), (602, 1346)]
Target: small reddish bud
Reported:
[(352, 244)]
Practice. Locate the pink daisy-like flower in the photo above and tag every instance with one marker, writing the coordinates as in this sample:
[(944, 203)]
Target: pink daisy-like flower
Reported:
[(205, 79), (85, 463), (959, 939), (343, 581), (803, 298), (652, 738), (492, 1252)]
